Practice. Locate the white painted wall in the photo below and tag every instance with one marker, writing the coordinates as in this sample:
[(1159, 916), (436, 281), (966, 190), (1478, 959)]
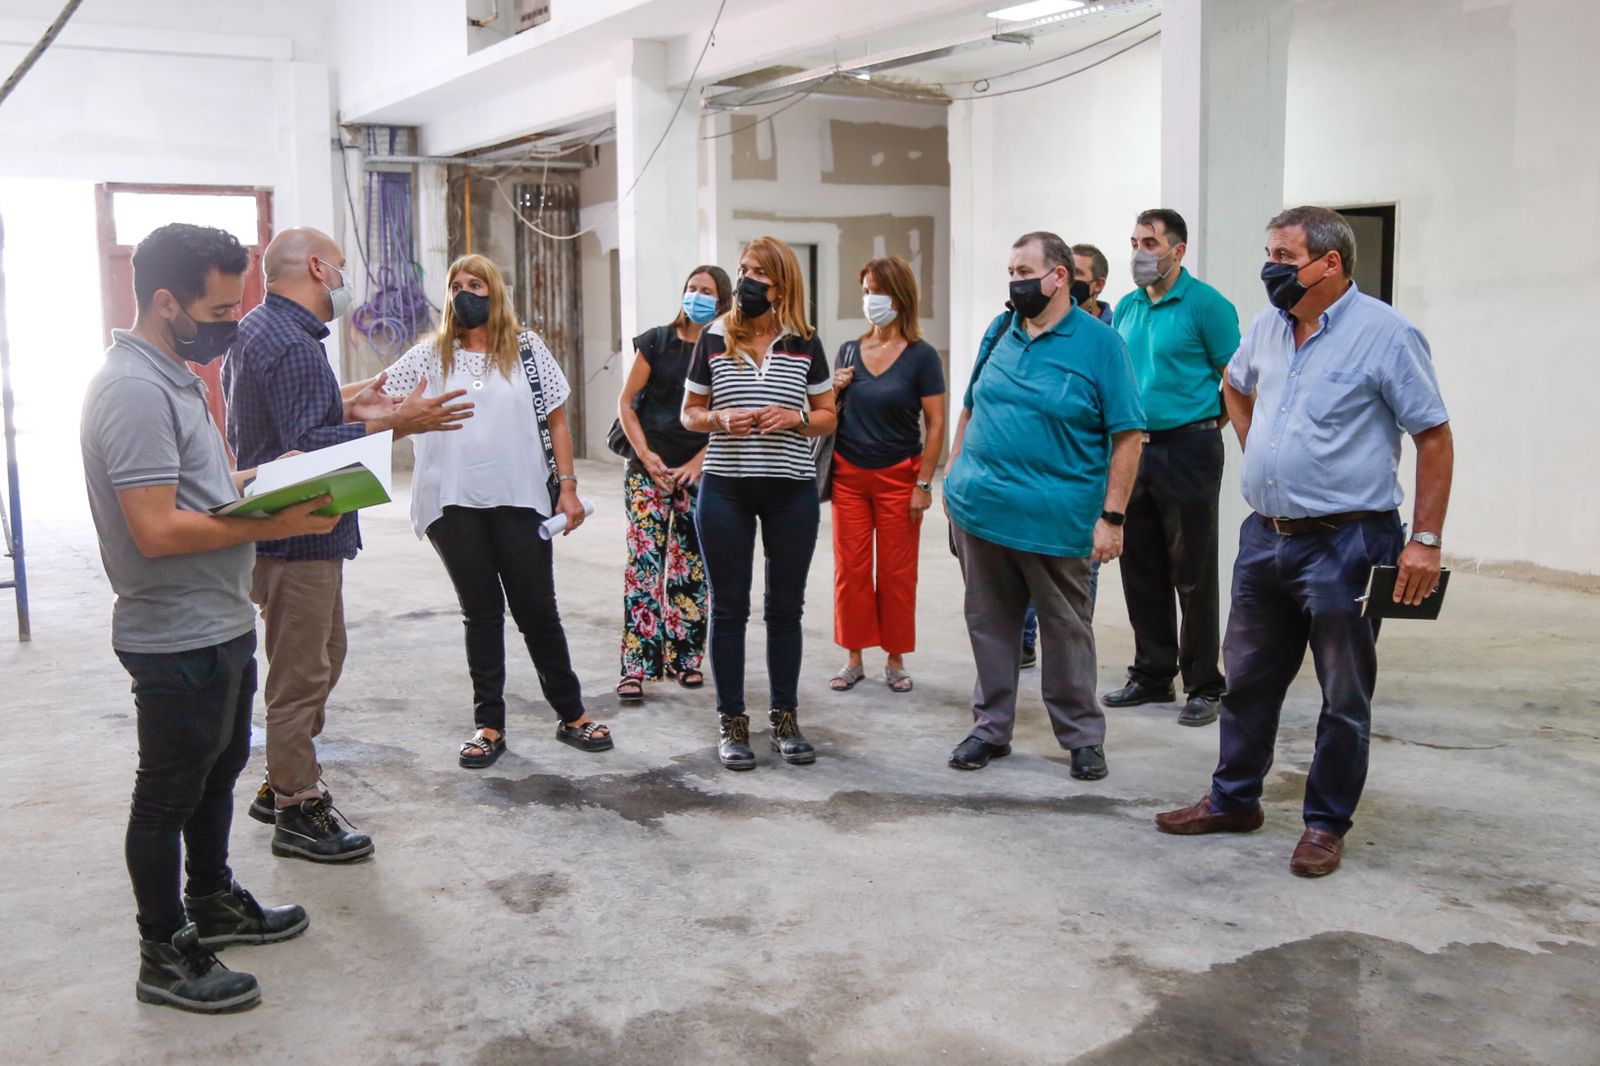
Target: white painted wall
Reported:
[(1477, 119), (1471, 116)]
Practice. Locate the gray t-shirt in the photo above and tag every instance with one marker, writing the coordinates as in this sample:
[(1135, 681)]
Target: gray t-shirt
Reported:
[(146, 422)]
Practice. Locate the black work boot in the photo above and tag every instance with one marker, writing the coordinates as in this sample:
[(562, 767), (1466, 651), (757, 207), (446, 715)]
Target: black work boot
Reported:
[(264, 808), (1137, 692), (788, 741), (311, 830), (734, 749), (234, 917), (183, 974)]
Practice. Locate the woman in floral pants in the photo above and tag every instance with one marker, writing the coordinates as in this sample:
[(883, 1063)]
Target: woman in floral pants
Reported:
[(665, 591)]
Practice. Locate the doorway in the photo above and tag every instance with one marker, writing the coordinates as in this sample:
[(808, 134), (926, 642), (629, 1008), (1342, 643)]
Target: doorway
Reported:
[(126, 213)]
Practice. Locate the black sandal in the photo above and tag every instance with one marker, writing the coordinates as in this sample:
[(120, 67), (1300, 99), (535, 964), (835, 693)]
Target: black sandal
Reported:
[(630, 690), (489, 751), (583, 737), (691, 679)]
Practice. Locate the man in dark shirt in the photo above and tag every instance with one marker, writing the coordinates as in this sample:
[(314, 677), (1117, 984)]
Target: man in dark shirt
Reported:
[(283, 397)]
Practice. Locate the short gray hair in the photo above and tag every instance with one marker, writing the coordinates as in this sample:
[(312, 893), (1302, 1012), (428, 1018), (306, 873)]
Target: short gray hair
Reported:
[(1326, 231), (1056, 251)]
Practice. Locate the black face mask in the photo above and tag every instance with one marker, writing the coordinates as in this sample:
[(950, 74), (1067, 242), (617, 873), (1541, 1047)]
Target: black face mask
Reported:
[(1028, 298), (471, 309), (1282, 280), (1081, 293), (211, 340), (753, 299)]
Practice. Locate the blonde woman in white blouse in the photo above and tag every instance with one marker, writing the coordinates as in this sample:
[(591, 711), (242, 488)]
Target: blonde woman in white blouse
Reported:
[(480, 494)]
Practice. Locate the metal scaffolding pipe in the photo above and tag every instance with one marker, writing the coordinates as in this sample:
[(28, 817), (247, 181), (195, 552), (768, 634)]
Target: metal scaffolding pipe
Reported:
[(379, 162)]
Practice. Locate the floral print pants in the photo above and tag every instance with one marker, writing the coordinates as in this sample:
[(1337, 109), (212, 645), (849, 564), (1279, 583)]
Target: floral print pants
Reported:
[(665, 591)]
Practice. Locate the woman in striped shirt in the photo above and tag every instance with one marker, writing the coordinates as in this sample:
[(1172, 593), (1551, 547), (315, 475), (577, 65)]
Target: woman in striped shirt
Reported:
[(760, 385)]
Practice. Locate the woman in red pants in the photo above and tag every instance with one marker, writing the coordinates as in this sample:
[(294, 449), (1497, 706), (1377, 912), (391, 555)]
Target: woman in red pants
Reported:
[(890, 387)]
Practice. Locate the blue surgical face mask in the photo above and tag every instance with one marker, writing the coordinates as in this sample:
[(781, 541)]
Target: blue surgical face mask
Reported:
[(699, 307)]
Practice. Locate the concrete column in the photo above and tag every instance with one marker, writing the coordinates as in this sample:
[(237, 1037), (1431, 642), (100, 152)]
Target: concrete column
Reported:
[(1224, 82), (658, 225), (304, 188)]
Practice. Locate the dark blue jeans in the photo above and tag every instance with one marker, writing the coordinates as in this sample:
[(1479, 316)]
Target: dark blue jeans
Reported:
[(1030, 621), (1290, 593), (194, 738), (726, 515)]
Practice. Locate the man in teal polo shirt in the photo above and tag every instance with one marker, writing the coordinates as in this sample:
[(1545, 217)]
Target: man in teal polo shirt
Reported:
[(1043, 461), (1180, 333)]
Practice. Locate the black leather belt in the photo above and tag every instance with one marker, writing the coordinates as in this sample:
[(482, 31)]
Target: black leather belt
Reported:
[(1294, 527), (1192, 427)]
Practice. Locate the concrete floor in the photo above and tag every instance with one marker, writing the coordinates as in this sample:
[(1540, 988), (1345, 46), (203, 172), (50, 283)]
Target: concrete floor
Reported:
[(645, 906)]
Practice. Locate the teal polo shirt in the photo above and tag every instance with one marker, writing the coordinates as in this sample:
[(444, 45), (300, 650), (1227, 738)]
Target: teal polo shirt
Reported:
[(1032, 470), (1179, 347)]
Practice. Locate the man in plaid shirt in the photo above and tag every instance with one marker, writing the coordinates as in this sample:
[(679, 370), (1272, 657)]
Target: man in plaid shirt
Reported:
[(283, 397)]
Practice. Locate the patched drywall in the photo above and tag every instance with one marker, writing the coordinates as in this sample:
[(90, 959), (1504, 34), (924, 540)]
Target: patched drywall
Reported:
[(864, 237), (754, 150), (885, 153)]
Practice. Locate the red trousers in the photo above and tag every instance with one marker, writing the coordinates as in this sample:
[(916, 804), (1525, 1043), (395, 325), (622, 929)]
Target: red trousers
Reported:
[(872, 509)]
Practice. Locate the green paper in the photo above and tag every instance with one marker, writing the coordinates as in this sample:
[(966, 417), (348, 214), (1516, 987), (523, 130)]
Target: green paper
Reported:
[(352, 488)]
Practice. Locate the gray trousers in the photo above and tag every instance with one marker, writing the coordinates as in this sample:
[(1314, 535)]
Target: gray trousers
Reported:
[(1000, 582)]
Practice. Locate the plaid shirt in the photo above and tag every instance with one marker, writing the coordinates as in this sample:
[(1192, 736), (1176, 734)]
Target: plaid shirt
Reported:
[(283, 397)]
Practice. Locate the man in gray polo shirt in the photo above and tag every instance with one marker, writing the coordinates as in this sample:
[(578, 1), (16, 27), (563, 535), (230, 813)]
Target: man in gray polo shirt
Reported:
[(183, 625)]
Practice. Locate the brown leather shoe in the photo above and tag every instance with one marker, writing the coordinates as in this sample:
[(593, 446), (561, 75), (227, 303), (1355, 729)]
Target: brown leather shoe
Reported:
[(1191, 821), (1317, 854)]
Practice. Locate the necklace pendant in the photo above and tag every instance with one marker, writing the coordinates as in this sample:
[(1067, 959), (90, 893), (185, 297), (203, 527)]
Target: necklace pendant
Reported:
[(477, 384)]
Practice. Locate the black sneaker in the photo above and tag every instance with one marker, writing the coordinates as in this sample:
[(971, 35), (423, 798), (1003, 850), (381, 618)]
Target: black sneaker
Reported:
[(1030, 656), (974, 754), (1089, 764), (788, 741), (311, 830), (1200, 710), (184, 974), (264, 808), (1136, 692), (234, 917), (734, 748)]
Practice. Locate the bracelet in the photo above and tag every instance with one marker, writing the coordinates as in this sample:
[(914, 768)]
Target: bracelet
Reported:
[(567, 477)]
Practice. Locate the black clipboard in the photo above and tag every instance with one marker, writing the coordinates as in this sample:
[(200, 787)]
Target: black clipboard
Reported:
[(1378, 602)]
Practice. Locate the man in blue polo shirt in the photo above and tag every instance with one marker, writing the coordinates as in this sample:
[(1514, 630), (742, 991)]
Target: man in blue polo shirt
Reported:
[(1180, 333), (1043, 461)]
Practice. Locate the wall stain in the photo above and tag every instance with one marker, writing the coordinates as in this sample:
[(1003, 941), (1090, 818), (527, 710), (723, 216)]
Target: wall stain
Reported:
[(1345, 998)]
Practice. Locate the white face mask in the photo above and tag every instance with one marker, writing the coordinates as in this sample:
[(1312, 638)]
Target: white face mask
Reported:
[(878, 308), (343, 298)]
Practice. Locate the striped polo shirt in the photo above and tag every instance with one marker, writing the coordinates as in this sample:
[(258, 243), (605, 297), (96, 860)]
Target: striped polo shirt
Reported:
[(795, 369)]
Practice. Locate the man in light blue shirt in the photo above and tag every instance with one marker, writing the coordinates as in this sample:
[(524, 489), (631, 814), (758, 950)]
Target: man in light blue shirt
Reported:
[(1320, 391)]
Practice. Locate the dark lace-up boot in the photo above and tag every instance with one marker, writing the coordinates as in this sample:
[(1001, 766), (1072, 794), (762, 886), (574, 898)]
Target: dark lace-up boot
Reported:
[(734, 749), (788, 741), (311, 830), (181, 973), (234, 917)]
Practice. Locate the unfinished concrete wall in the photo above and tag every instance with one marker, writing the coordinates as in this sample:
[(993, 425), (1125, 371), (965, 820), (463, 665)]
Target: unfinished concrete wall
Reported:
[(852, 178)]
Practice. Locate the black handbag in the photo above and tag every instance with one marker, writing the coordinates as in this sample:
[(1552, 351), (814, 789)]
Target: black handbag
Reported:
[(531, 369), (822, 450), (618, 441)]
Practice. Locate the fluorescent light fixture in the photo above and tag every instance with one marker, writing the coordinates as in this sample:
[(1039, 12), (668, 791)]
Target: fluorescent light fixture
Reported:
[(1034, 9)]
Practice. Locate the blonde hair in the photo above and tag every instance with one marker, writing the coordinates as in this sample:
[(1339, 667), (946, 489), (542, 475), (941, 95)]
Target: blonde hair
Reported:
[(504, 347), (780, 264)]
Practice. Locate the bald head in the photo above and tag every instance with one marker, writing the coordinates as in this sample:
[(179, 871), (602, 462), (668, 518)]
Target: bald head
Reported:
[(305, 265)]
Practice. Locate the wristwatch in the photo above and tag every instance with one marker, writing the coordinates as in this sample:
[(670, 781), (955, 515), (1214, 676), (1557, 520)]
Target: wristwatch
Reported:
[(1427, 540), (926, 486), (805, 417), (1113, 518)]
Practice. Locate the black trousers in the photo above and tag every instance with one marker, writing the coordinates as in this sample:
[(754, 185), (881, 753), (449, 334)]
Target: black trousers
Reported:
[(726, 515), (193, 711), (1170, 547), (495, 556)]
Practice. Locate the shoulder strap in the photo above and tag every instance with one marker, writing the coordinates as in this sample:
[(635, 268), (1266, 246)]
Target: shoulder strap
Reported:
[(530, 367), (991, 337)]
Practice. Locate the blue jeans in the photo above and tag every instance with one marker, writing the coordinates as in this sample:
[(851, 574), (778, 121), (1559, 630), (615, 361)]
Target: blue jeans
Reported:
[(726, 515), (1290, 593), (1030, 621)]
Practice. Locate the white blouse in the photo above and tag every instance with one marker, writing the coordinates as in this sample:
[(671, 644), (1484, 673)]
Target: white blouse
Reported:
[(496, 458)]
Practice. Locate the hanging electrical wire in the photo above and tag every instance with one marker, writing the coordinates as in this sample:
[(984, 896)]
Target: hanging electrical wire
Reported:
[(794, 99), (38, 49), (617, 206), (397, 308), (1065, 55)]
